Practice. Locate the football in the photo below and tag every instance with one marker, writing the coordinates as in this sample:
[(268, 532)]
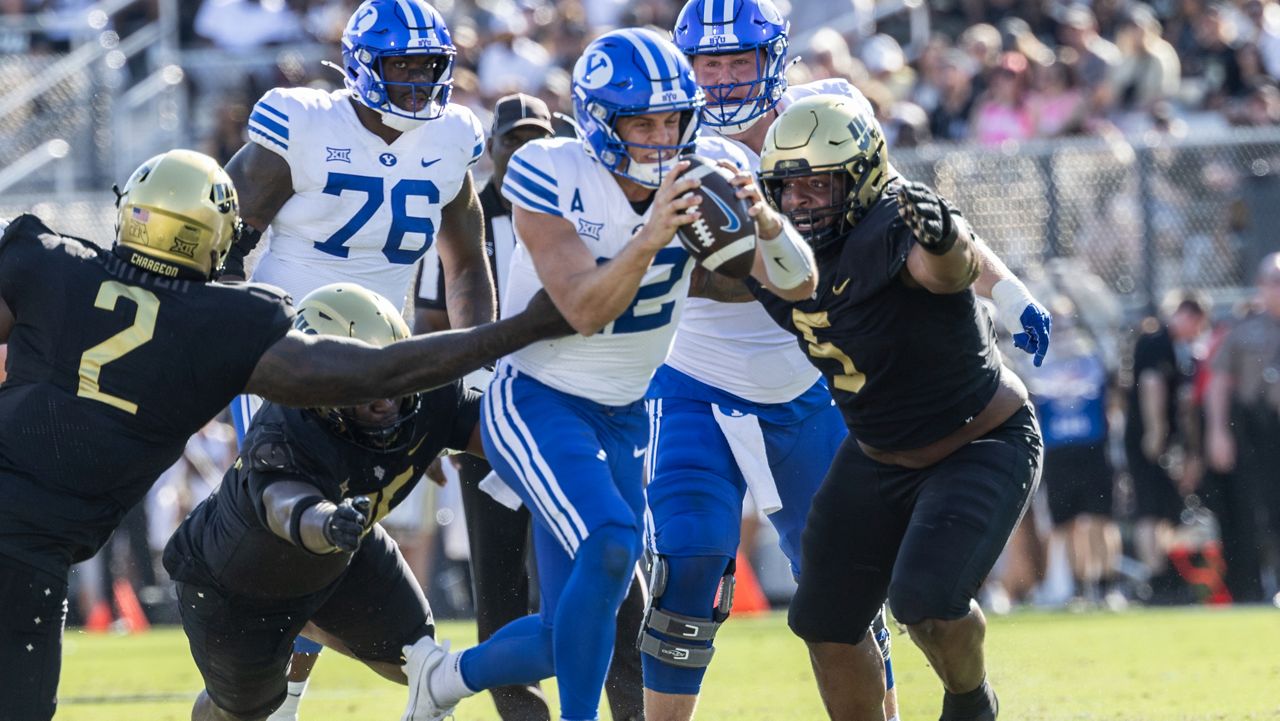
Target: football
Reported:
[(724, 238)]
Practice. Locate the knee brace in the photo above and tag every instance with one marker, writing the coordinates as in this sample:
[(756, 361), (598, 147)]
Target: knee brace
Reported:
[(677, 639)]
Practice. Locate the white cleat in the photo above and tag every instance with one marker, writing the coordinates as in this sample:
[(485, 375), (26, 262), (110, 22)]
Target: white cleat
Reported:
[(420, 660)]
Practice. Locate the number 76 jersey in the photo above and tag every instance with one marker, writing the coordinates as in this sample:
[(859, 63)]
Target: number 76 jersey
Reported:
[(363, 210), (614, 366)]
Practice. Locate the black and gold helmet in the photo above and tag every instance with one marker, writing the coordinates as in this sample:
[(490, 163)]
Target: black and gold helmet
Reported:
[(348, 310), (826, 134), (177, 215)]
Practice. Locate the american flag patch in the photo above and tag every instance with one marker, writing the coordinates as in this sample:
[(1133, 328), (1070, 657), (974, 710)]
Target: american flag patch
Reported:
[(141, 215)]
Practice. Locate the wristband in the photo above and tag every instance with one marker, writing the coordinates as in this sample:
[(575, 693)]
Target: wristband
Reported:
[(785, 262), (1011, 297), (295, 519)]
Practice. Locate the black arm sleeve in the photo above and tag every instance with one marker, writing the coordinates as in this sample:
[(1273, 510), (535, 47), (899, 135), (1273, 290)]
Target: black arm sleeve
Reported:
[(465, 419)]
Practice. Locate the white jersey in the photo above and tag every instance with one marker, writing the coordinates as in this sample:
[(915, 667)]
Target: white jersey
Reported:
[(362, 211), (614, 366), (736, 347)]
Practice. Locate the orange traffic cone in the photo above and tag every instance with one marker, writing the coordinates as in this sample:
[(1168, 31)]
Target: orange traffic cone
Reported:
[(130, 610), (100, 618), (748, 597)]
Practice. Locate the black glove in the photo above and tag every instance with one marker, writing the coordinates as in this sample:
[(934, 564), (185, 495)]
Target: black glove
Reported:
[(346, 524), (929, 216)]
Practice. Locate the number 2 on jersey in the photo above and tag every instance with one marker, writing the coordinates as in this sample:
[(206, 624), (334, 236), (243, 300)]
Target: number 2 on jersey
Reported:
[(117, 346), (852, 379), (401, 222)]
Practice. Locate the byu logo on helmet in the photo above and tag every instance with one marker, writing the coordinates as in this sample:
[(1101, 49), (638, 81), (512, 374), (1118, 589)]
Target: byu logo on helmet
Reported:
[(627, 73), (363, 19), (383, 29), (728, 27), (597, 71)]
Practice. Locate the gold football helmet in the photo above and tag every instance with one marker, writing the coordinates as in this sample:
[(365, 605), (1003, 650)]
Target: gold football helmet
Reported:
[(826, 134), (349, 310), (178, 215)]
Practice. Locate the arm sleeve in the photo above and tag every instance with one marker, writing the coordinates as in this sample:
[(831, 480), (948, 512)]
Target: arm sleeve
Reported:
[(465, 419), (269, 122), (531, 180), (430, 282)]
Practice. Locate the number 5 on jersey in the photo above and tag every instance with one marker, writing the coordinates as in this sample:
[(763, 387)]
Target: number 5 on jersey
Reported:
[(401, 222), (852, 379)]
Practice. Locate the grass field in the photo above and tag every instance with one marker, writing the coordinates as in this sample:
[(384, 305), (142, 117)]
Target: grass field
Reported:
[(1194, 664)]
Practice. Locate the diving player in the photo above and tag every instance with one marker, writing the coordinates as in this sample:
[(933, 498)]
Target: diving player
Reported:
[(563, 423), (944, 450), (285, 541), (117, 356), (736, 405)]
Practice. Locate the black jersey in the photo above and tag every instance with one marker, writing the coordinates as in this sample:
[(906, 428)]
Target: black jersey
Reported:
[(226, 540), (906, 366), (110, 370)]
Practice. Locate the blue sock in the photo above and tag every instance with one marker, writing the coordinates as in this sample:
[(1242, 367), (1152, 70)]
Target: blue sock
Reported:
[(585, 618), (518, 654), (302, 644)]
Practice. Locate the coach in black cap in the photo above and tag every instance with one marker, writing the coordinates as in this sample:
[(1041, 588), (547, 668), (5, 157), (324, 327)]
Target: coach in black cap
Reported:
[(498, 535)]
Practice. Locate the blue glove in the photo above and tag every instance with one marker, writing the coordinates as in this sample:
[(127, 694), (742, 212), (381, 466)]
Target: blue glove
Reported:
[(1024, 317), (1037, 324)]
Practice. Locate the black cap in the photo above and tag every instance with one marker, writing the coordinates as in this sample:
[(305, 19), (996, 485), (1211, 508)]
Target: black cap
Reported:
[(518, 111)]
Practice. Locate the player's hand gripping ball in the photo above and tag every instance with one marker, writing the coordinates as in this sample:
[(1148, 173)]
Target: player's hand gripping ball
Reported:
[(723, 239), (930, 217)]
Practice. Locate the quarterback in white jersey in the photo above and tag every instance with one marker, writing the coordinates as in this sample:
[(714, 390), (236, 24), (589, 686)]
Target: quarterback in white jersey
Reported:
[(355, 185), (564, 425)]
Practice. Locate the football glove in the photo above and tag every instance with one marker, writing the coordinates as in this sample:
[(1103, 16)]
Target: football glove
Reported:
[(346, 524), (929, 215), (1024, 318)]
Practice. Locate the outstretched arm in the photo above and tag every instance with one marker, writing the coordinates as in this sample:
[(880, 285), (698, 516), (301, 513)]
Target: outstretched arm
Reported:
[(467, 281), (949, 257), (312, 370)]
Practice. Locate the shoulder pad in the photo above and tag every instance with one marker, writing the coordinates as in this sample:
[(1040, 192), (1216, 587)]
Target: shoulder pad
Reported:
[(271, 456)]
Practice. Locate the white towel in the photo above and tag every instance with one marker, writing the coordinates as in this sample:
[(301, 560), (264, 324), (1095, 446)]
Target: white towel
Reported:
[(499, 491), (742, 431)]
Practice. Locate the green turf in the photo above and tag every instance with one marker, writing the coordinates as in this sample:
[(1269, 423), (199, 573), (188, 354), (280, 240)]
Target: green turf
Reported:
[(1172, 665)]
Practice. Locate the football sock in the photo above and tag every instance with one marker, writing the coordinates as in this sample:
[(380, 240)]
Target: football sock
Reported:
[(585, 619), (289, 709), (976, 705), (518, 654)]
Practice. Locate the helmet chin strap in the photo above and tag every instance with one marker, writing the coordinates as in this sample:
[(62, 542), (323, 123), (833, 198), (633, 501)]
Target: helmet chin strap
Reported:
[(400, 122)]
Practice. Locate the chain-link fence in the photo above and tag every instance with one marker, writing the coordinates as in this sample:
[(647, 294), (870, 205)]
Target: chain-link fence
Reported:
[(1146, 216)]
